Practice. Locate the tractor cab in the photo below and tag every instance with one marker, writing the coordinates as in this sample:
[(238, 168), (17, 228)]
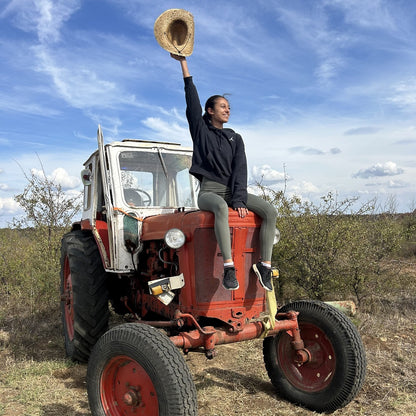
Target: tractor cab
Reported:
[(127, 181)]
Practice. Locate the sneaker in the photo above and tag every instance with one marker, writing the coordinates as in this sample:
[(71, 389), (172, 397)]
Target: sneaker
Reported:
[(230, 282), (265, 275)]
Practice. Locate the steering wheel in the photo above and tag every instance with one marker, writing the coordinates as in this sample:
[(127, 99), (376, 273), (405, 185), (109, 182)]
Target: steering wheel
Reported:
[(147, 200)]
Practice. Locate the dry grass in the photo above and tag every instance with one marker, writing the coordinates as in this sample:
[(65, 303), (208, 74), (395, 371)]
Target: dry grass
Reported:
[(36, 379)]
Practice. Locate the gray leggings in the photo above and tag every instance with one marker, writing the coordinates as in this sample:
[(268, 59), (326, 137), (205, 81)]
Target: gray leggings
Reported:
[(215, 197)]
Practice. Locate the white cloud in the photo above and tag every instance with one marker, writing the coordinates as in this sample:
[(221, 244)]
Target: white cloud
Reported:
[(304, 187), (266, 175), (82, 88), (311, 151), (167, 130), (59, 176), (45, 17), (67, 181), (367, 14), (15, 103), (72, 193), (404, 94), (97, 81), (9, 206), (306, 150), (3, 186), (392, 184), (362, 130), (312, 33), (397, 184), (328, 69), (379, 169)]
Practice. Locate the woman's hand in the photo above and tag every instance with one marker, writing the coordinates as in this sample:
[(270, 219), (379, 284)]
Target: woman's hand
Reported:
[(178, 57), (242, 212), (184, 64)]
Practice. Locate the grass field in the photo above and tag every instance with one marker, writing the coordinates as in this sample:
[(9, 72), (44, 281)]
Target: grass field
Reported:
[(36, 379)]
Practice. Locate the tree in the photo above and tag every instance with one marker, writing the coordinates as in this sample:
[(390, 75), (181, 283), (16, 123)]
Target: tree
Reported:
[(46, 204)]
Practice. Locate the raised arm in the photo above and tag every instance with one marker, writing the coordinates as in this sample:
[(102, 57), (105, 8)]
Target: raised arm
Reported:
[(193, 105), (184, 64)]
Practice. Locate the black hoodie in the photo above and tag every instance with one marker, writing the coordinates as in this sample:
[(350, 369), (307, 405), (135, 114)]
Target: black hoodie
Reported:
[(218, 154)]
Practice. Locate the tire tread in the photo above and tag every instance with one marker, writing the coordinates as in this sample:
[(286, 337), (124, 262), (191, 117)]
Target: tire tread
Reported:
[(90, 294)]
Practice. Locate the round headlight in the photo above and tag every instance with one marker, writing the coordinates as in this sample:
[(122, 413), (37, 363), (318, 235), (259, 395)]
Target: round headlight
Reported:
[(175, 238), (276, 236)]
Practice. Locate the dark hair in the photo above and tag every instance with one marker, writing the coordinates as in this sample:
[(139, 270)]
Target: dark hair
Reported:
[(210, 103)]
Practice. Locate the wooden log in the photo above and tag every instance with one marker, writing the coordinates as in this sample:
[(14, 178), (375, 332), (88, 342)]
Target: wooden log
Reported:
[(346, 306)]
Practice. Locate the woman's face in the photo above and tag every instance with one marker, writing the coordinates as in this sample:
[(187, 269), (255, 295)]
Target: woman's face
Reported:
[(221, 111)]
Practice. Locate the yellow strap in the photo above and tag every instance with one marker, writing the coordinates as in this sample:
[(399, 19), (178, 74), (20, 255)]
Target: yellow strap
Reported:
[(271, 310), (126, 213)]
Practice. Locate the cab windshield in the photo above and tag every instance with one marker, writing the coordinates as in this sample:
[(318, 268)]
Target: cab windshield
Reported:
[(157, 178)]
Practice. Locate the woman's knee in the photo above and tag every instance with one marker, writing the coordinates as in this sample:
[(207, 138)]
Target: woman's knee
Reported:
[(261, 207), (271, 213), (221, 209), (214, 203)]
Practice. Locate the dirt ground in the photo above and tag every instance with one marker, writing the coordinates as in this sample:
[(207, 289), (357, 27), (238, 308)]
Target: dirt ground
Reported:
[(36, 379)]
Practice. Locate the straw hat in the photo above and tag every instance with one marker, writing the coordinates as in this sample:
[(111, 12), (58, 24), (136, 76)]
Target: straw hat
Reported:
[(174, 31)]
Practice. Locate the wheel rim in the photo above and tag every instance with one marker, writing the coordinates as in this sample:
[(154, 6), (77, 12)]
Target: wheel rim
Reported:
[(317, 373), (127, 389), (68, 301)]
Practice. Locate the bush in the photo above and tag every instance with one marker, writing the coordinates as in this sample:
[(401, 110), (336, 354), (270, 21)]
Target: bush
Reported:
[(333, 249), (30, 252), (29, 270)]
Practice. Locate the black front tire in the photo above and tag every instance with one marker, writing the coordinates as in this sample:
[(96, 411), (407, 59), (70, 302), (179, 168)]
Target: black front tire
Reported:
[(136, 368), (336, 371), (84, 294)]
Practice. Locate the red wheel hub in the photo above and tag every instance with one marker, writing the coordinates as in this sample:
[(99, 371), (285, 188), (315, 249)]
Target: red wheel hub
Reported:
[(316, 374), (126, 389), (67, 298)]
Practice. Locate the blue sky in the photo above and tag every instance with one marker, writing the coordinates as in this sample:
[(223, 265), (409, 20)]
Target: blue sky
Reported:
[(323, 91)]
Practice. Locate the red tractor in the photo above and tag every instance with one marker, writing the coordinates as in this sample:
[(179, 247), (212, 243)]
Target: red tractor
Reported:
[(143, 249)]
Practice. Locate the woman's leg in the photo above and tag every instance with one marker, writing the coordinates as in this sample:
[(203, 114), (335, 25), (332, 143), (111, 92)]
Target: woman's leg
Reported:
[(208, 201), (268, 226), (267, 232)]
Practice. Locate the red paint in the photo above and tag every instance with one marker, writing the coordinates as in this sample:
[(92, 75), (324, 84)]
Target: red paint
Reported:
[(315, 374), (201, 262), (126, 389)]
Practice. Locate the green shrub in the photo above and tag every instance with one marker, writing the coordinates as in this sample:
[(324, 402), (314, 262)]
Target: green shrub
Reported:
[(335, 249), (29, 270), (29, 253)]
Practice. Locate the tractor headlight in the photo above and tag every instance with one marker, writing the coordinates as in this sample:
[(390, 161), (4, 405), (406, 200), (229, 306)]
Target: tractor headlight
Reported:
[(175, 238), (276, 236)]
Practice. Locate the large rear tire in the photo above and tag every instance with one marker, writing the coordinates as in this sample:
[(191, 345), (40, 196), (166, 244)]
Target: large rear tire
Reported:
[(84, 294), (336, 370), (136, 369)]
